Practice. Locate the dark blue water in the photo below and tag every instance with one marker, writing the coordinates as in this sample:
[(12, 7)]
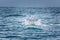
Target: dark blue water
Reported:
[(13, 26)]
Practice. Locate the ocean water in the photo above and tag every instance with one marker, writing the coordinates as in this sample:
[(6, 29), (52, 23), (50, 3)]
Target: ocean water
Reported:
[(19, 23)]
